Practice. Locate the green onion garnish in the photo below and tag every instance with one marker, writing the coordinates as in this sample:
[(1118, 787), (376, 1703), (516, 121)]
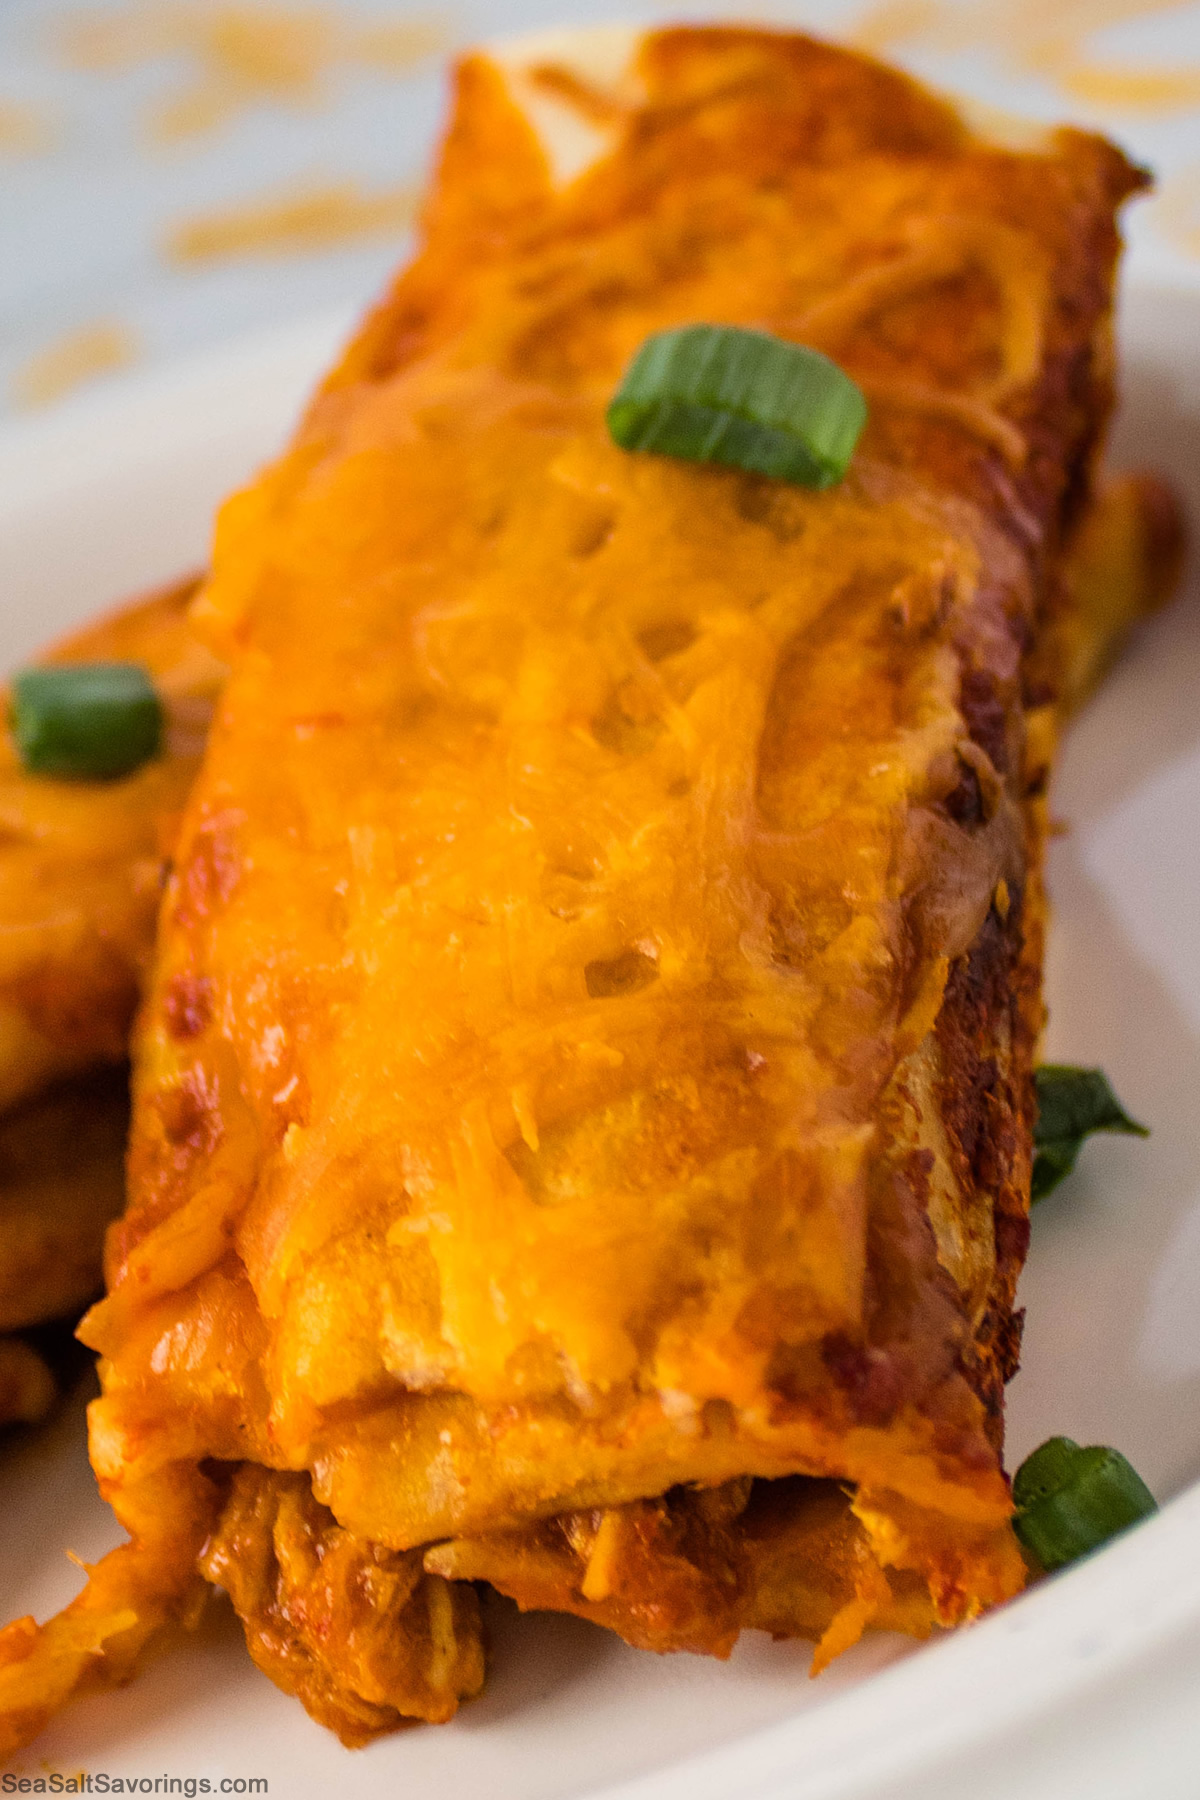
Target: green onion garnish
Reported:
[(1070, 1500), (1072, 1103), (716, 393), (85, 721)]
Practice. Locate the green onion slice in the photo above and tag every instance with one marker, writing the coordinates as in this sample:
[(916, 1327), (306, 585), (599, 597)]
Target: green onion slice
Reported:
[(1072, 1103), (716, 393), (1071, 1500), (85, 721)]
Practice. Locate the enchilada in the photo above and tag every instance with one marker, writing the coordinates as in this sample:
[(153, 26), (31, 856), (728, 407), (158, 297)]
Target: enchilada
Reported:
[(583, 1108)]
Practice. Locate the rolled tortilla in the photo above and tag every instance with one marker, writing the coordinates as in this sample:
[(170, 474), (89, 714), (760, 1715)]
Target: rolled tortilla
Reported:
[(583, 1106)]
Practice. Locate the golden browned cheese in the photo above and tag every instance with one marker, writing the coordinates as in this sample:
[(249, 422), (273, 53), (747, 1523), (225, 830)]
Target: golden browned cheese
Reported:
[(589, 1049), (61, 1178), (81, 865), (81, 862), (80, 873)]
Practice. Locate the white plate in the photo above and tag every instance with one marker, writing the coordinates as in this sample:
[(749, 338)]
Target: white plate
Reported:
[(1087, 1686)]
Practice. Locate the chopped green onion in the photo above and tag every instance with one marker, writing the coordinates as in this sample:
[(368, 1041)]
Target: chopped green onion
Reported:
[(1071, 1500), (1072, 1103), (716, 393), (86, 721)]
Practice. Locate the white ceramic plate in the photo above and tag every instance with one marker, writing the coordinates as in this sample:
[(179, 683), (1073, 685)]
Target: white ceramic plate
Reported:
[(1088, 1686)]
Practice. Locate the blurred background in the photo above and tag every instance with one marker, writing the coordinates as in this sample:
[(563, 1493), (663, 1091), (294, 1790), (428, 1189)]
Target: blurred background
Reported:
[(174, 173)]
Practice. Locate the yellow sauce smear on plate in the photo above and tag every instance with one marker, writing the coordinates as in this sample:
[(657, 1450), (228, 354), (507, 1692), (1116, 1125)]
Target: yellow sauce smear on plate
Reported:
[(69, 361), (1051, 41), (240, 56), (291, 223), (23, 129)]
